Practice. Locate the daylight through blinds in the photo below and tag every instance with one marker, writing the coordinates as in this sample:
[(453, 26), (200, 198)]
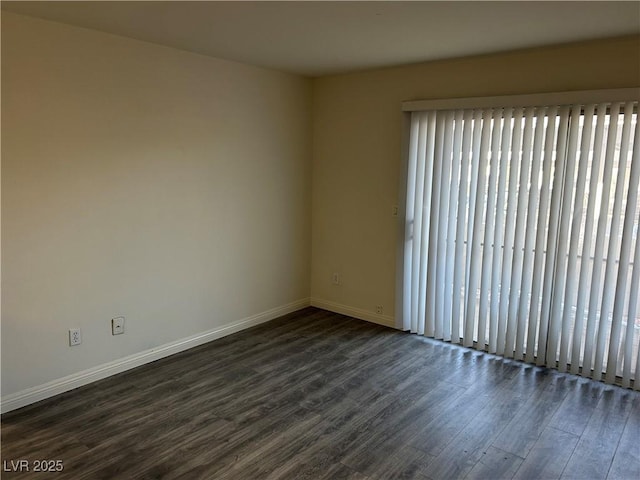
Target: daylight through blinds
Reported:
[(522, 234)]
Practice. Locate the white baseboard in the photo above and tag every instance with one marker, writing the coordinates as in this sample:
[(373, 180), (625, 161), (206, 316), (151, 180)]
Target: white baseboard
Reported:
[(358, 313), (75, 380)]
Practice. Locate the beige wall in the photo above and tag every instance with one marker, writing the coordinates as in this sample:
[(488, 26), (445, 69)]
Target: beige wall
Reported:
[(143, 181), (357, 142)]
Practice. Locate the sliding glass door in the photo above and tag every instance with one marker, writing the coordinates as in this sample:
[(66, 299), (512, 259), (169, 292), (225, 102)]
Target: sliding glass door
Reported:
[(522, 233)]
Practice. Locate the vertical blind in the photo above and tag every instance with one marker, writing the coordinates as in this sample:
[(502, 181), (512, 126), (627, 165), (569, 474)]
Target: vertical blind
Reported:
[(522, 234)]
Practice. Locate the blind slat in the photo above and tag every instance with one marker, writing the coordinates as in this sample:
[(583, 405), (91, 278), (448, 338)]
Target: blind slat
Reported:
[(530, 228), (552, 240), (584, 286), (449, 297), (507, 250), (496, 268), (572, 288), (443, 220), (539, 258), (598, 256), (422, 220), (487, 257), (460, 261), (412, 170), (434, 216), (471, 219), (513, 322), (476, 251)]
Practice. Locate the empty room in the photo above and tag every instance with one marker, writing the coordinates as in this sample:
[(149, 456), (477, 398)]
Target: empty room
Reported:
[(320, 240)]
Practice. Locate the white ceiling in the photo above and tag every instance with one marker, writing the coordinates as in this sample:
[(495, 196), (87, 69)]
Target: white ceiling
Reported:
[(319, 38)]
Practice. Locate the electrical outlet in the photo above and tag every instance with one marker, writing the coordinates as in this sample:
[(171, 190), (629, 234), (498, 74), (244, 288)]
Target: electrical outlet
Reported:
[(335, 279), (394, 211), (75, 337), (379, 309), (117, 326)]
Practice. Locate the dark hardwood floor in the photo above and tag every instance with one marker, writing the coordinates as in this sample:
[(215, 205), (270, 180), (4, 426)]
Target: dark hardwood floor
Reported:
[(319, 395)]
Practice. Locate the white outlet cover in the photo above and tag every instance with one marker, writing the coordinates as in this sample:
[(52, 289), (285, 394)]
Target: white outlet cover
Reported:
[(75, 337), (117, 326)]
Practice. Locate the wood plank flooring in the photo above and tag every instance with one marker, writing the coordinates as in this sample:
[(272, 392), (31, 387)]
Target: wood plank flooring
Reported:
[(317, 395)]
